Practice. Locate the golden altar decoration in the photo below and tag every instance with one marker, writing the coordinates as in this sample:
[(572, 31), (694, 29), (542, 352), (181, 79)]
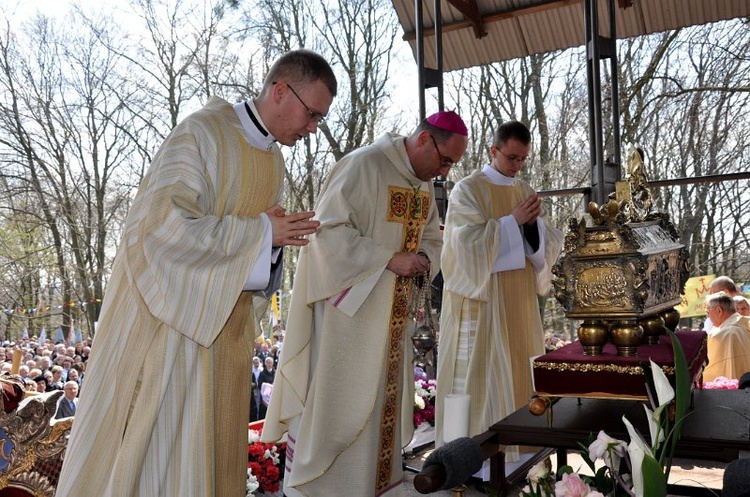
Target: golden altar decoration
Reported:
[(32, 446), (622, 272)]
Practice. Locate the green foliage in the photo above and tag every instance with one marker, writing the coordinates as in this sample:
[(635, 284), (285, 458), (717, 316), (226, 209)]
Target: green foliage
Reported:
[(654, 478), (682, 399)]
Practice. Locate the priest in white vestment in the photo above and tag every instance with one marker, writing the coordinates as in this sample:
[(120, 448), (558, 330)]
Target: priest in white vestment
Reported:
[(728, 340), (166, 404), (344, 389), (496, 258), (720, 284)]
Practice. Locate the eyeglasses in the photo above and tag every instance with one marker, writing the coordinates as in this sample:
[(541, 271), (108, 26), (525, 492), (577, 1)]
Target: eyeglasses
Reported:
[(313, 116), (444, 161), (514, 158)]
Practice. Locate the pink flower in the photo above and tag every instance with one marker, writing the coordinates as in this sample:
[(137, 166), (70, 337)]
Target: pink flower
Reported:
[(722, 383), (571, 485)]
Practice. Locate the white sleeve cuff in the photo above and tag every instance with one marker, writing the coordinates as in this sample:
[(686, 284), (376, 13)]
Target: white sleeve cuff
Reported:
[(351, 299), (511, 255), (261, 271)]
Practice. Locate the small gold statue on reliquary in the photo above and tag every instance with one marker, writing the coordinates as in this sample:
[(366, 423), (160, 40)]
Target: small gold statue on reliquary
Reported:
[(631, 200)]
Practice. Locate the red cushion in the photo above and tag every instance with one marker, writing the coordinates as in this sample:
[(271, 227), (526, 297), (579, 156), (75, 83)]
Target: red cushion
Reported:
[(12, 392), (566, 372), (14, 492)]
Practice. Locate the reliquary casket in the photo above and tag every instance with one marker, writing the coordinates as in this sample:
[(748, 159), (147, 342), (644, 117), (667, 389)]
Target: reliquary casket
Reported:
[(623, 271)]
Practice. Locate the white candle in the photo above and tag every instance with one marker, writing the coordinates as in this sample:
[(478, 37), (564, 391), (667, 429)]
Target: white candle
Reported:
[(456, 417)]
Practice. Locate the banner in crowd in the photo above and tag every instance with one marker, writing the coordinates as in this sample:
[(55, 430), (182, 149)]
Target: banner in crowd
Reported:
[(694, 299), (275, 307)]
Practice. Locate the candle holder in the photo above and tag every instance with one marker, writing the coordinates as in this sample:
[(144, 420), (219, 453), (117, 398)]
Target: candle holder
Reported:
[(459, 490)]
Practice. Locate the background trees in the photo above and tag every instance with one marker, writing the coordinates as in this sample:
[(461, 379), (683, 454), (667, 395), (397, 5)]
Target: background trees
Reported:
[(85, 105)]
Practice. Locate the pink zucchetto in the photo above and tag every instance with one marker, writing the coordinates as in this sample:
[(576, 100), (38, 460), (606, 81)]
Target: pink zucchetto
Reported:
[(449, 121)]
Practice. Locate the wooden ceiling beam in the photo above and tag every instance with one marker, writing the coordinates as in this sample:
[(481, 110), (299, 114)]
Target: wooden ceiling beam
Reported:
[(470, 10), (490, 18)]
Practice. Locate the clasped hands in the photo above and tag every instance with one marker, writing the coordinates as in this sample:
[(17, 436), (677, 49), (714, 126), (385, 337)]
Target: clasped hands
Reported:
[(528, 210), (291, 229)]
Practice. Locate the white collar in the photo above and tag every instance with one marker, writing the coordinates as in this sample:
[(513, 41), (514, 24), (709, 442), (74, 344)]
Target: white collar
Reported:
[(731, 320), (496, 177), (255, 130)]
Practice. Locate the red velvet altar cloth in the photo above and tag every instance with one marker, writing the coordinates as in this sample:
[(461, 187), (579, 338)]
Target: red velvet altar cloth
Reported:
[(566, 372)]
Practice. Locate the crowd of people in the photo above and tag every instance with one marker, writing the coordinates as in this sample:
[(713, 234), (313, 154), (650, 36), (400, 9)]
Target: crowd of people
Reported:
[(265, 362), (49, 366), (57, 366)]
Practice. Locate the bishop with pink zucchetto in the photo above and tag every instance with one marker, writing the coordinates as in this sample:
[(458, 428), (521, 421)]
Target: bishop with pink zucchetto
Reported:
[(449, 121), (343, 388)]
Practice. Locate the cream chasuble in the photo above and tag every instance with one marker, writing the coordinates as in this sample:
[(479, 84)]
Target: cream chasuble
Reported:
[(728, 349), (490, 324), (165, 406), (344, 388)]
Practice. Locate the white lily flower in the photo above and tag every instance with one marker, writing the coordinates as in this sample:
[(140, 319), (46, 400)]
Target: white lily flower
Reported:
[(637, 449), (538, 472), (608, 449), (654, 428), (664, 396), (664, 391)]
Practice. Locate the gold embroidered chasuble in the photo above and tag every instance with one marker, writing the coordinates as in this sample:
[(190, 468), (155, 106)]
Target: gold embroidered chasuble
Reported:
[(165, 404), (345, 384), (490, 323)]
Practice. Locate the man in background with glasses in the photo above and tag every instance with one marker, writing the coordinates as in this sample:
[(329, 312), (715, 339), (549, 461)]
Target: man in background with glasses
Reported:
[(493, 265), (344, 389), (176, 328)]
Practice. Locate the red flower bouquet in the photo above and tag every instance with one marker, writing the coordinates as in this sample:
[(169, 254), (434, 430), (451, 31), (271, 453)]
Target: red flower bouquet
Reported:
[(265, 464)]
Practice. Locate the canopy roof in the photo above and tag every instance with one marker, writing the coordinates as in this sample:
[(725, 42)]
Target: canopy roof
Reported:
[(477, 32)]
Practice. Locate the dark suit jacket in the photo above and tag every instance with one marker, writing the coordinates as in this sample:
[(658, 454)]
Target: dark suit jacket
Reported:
[(63, 408)]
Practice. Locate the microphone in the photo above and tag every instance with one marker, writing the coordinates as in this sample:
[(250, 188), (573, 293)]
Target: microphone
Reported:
[(452, 464)]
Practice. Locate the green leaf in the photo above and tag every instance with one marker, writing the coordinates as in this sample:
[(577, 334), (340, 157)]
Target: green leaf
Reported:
[(654, 479), (682, 396), (603, 481)]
